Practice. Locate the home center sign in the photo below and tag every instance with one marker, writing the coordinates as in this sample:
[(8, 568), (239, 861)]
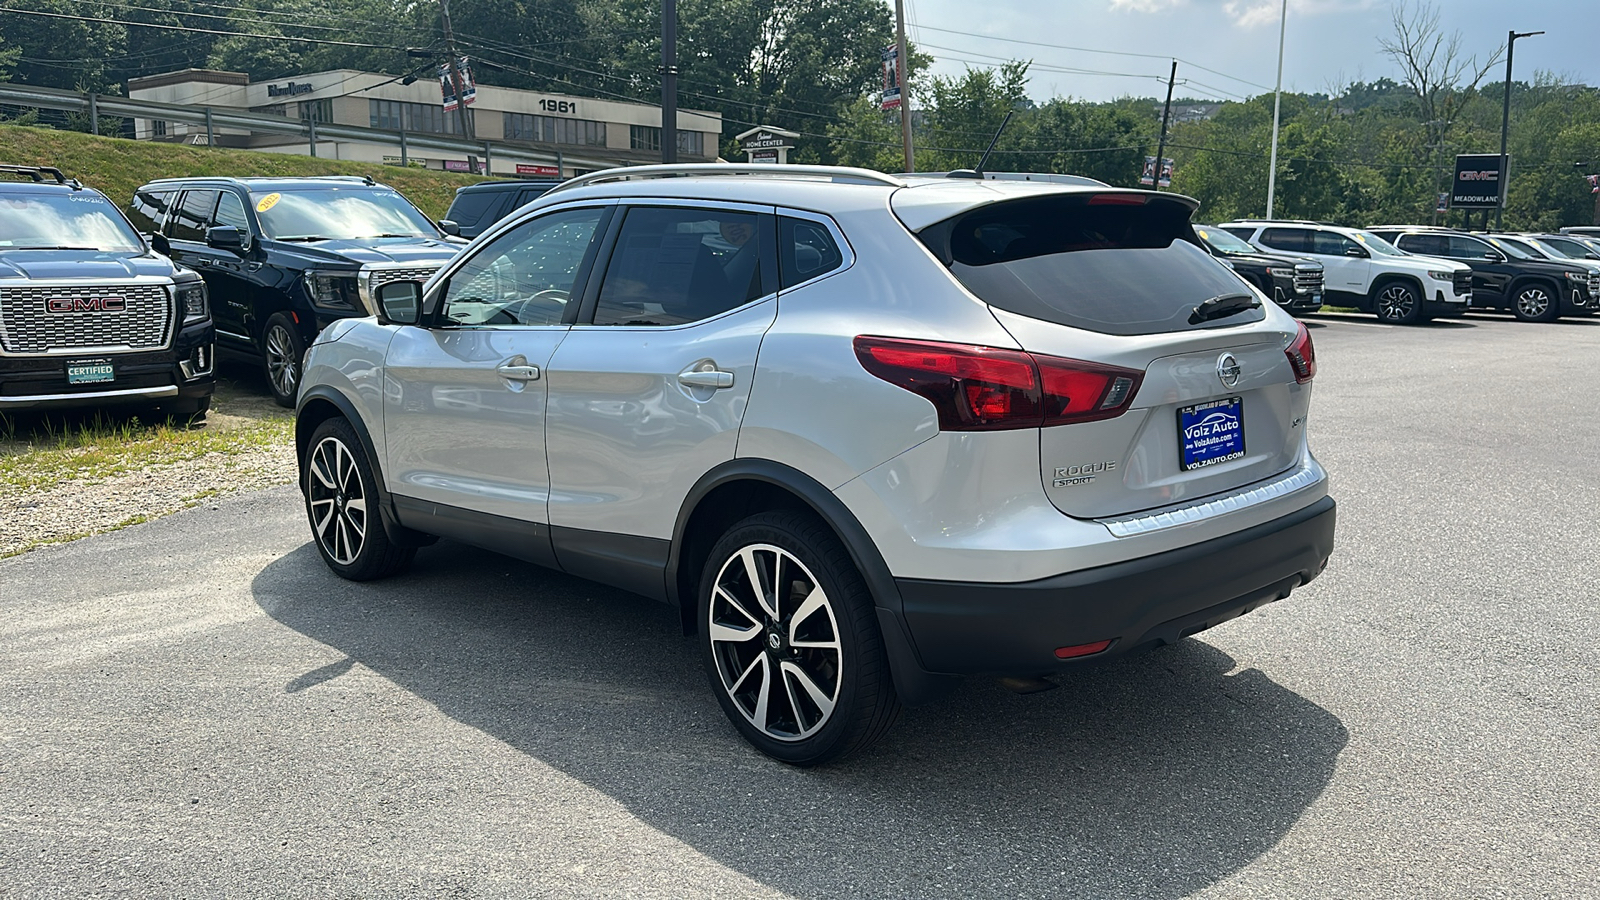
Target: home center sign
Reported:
[(766, 144)]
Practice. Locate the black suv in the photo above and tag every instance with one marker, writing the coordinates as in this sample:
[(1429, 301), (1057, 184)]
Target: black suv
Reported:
[(1293, 282), (477, 206), (89, 315), (284, 257), (1504, 275)]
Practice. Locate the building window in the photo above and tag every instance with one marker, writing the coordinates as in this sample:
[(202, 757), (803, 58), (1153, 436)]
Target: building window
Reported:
[(648, 137), (395, 115), (158, 128), (551, 130), (316, 110)]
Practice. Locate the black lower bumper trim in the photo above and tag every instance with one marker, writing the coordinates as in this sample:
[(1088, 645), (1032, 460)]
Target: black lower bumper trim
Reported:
[(1014, 629)]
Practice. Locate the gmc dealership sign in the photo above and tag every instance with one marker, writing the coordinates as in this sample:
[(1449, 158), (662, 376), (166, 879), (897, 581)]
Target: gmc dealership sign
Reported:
[(1478, 180)]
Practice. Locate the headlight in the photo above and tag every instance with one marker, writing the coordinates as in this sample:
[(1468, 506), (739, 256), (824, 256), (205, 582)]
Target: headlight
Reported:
[(192, 300), (1442, 276), (1580, 277), (334, 290), (1280, 272)]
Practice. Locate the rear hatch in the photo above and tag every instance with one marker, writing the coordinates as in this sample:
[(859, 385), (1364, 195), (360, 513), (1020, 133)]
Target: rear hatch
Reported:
[(1117, 279)]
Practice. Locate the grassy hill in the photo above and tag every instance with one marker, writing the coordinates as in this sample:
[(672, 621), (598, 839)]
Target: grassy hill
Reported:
[(117, 167)]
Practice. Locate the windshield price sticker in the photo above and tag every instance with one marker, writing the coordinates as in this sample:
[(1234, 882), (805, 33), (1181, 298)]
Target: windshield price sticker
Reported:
[(268, 202)]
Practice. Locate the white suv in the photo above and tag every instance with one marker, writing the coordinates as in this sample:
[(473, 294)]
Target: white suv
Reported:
[(1365, 271), (868, 434)]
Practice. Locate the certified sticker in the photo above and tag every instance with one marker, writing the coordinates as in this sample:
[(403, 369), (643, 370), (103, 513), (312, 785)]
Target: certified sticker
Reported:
[(268, 202)]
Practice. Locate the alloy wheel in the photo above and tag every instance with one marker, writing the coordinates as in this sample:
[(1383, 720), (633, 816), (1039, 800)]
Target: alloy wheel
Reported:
[(282, 366), (1395, 303), (1533, 302), (775, 641), (338, 503)]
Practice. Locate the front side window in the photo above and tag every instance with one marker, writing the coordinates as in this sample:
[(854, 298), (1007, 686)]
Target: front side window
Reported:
[(230, 211), (193, 216), (339, 214), (1468, 248), (526, 276), (1329, 243), (674, 265), (76, 220)]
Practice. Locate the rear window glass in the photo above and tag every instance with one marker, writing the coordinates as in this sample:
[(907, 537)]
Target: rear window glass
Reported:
[(1115, 269), (469, 206)]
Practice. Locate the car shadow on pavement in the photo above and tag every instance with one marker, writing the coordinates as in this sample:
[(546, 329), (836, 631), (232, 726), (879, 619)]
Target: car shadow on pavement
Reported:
[(1153, 776)]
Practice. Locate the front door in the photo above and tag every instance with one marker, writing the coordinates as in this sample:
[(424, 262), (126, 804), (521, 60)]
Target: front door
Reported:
[(223, 270), (464, 400), (648, 391)]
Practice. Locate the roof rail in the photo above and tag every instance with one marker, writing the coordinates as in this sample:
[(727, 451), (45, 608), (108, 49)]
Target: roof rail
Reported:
[(37, 173), (840, 174)]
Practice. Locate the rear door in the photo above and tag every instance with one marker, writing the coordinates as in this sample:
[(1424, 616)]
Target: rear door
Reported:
[(1218, 406), (648, 391), (223, 270)]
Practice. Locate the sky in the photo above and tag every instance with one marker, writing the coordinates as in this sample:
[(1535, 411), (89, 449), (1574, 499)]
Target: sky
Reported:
[(1329, 43)]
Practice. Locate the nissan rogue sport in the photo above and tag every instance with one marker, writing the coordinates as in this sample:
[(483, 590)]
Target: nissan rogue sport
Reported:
[(867, 434)]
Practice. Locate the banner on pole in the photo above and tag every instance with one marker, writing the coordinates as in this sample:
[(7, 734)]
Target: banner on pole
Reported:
[(1594, 183), (1149, 175), (447, 88), (1443, 205), (891, 78), (469, 88)]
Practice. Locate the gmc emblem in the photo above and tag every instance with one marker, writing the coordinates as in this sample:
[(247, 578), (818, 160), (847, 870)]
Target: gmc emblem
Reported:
[(86, 304)]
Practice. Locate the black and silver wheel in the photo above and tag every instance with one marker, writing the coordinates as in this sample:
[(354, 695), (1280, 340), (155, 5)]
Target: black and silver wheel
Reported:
[(1399, 303), (791, 641), (282, 351), (1535, 303), (342, 506)]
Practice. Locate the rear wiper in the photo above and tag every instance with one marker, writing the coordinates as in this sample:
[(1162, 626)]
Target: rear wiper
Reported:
[(1223, 305)]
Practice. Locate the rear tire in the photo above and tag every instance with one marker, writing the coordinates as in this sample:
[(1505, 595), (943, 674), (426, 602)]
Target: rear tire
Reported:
[(1535, 302), (283, 352), (790, 639), (341, 494), (1398, 303)]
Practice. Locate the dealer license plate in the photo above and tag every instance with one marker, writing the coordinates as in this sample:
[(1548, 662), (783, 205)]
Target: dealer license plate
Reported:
[(1211, 433), (90, 372)]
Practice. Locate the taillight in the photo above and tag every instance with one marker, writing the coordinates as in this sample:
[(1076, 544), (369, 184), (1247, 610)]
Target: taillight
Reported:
[(977, 388), (1302, 356)]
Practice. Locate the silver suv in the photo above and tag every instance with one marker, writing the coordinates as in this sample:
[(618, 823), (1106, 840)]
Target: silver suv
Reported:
[(868, 434)]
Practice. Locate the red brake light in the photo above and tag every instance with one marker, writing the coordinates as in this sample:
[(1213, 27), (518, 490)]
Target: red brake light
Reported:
[(976, 388), (1302, 355), (1078, 650), (1118, 200)]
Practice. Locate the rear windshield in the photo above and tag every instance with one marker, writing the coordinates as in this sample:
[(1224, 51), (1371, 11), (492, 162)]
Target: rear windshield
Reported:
[(1113, 268)]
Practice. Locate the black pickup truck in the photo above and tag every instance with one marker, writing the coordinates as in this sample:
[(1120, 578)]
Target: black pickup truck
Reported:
[(90, 315), (284, 257), (1293, 282)]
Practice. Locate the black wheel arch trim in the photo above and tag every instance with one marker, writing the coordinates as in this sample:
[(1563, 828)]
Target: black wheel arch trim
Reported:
[(398, 534), (914, 684)]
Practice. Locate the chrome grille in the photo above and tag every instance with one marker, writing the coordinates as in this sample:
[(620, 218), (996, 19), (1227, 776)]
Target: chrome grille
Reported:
[(1307, 280), (380, 277), (28, 327), (1594, 287)]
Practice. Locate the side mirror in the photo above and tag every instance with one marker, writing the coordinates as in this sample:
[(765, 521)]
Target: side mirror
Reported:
[(1357, 252), (450, 228), (400, 303), (225, 237), (160, 244), (1495, 256)]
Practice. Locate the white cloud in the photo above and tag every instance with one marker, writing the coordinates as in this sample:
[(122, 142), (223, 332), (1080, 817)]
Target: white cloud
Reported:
[(1257, 13), (1146, 6)]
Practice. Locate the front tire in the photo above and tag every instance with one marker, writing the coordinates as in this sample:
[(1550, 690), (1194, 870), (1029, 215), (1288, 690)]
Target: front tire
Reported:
[(1535, 303), (341, 495), (282, 353), (1399, 303), (790, 641)]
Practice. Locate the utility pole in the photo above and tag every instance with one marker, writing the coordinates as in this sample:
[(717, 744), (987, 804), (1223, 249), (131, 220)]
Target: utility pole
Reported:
[(451, 65), (1277, 98), (1166, 112), (669, 81), (903, 60), (1505, 127)]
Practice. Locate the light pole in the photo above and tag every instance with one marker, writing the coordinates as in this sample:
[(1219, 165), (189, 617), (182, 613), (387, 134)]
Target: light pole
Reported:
[(1505, 124), (1277, 97)]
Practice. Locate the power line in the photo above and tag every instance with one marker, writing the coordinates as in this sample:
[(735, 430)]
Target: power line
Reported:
[(164, 27)]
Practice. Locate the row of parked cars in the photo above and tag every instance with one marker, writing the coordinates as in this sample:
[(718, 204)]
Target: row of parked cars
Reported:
[(101, 308)]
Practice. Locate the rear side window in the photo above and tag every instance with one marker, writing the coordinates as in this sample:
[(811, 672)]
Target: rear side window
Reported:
[(1297, 240), (147, 210), (1114, 268), (469, 206), (193, 217), (805, 251), (672, 266)]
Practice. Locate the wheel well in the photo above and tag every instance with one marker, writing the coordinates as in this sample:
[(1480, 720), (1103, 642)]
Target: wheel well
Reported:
[(314, 413), (1526, 280), (716, 512), (1411, 281)]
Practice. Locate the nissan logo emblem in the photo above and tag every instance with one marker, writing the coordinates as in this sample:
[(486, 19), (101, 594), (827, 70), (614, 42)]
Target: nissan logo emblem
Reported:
[(1228, 370)]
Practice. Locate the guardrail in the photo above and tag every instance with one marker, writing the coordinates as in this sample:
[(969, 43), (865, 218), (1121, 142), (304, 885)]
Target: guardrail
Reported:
[(213, 118)]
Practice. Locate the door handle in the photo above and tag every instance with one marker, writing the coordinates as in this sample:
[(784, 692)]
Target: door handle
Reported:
[(518, 373), (706, 375)]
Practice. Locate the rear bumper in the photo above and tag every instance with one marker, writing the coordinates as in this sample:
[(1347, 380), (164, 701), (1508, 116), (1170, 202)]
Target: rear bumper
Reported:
[(1014, 629)]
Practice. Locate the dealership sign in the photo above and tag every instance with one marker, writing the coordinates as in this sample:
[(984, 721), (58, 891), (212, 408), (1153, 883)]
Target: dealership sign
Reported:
[(1478, 181)]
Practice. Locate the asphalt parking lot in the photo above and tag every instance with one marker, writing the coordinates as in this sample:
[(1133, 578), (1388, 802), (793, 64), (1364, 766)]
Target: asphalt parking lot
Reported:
[(196, 707)]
